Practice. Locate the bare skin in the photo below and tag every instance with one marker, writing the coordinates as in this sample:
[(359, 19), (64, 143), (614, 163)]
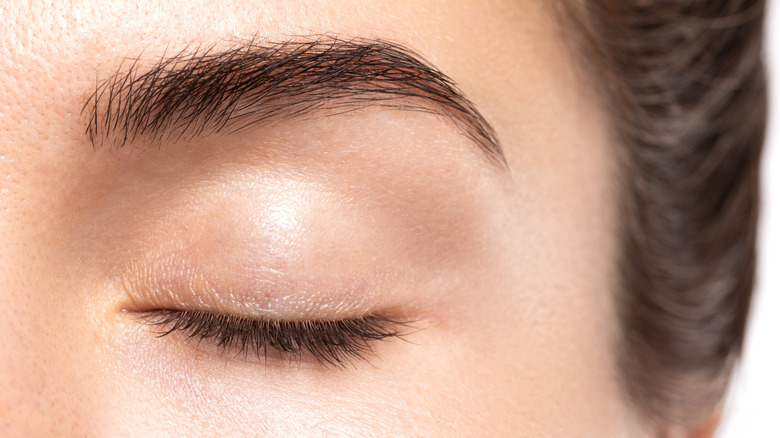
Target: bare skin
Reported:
[(507, 273)]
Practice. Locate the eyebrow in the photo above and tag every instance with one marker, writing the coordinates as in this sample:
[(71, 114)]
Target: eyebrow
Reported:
[(199, 92)]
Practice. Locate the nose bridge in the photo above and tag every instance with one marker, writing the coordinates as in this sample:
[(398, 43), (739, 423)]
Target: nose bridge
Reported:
[(29, 369), (38, 369)]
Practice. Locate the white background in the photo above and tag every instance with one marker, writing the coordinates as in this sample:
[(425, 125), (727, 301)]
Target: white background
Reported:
[(753, 407)]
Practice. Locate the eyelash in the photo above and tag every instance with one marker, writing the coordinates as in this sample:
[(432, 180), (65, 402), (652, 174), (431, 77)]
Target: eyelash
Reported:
[(331, 342)]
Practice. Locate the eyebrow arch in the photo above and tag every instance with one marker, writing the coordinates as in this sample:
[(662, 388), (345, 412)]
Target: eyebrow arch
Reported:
[(200, 92)]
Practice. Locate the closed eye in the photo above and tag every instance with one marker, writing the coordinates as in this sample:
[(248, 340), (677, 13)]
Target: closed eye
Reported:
[(330, 342)]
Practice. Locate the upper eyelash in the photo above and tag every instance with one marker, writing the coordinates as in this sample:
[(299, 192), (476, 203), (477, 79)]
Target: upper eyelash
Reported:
[(330, 342)]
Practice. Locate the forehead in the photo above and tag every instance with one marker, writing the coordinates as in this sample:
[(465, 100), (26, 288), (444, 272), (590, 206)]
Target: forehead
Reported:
[(495, 51)]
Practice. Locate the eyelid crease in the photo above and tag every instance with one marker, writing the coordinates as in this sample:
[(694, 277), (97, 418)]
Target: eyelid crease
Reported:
[(333, 343)]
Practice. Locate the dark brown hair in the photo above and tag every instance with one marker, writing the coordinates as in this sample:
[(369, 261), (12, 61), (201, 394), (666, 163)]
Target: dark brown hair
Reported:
[(685, 87)]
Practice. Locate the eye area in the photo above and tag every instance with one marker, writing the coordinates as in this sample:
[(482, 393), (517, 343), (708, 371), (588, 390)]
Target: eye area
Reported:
[(335, 343)]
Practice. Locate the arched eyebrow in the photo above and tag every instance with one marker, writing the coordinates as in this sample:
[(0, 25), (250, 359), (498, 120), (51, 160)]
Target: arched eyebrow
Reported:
[(199, 92)]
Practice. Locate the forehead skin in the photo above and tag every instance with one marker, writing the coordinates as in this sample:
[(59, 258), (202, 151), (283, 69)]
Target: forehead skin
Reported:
[(510, 273)]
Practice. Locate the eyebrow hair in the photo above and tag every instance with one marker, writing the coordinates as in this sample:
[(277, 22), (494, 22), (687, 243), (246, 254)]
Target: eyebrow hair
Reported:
[(199, 92)]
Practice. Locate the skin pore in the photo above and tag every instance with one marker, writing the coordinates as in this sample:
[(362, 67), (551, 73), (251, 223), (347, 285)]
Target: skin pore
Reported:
[(505, 274)]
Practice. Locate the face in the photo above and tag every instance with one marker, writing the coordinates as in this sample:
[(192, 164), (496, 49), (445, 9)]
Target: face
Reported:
[(419, 284)]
